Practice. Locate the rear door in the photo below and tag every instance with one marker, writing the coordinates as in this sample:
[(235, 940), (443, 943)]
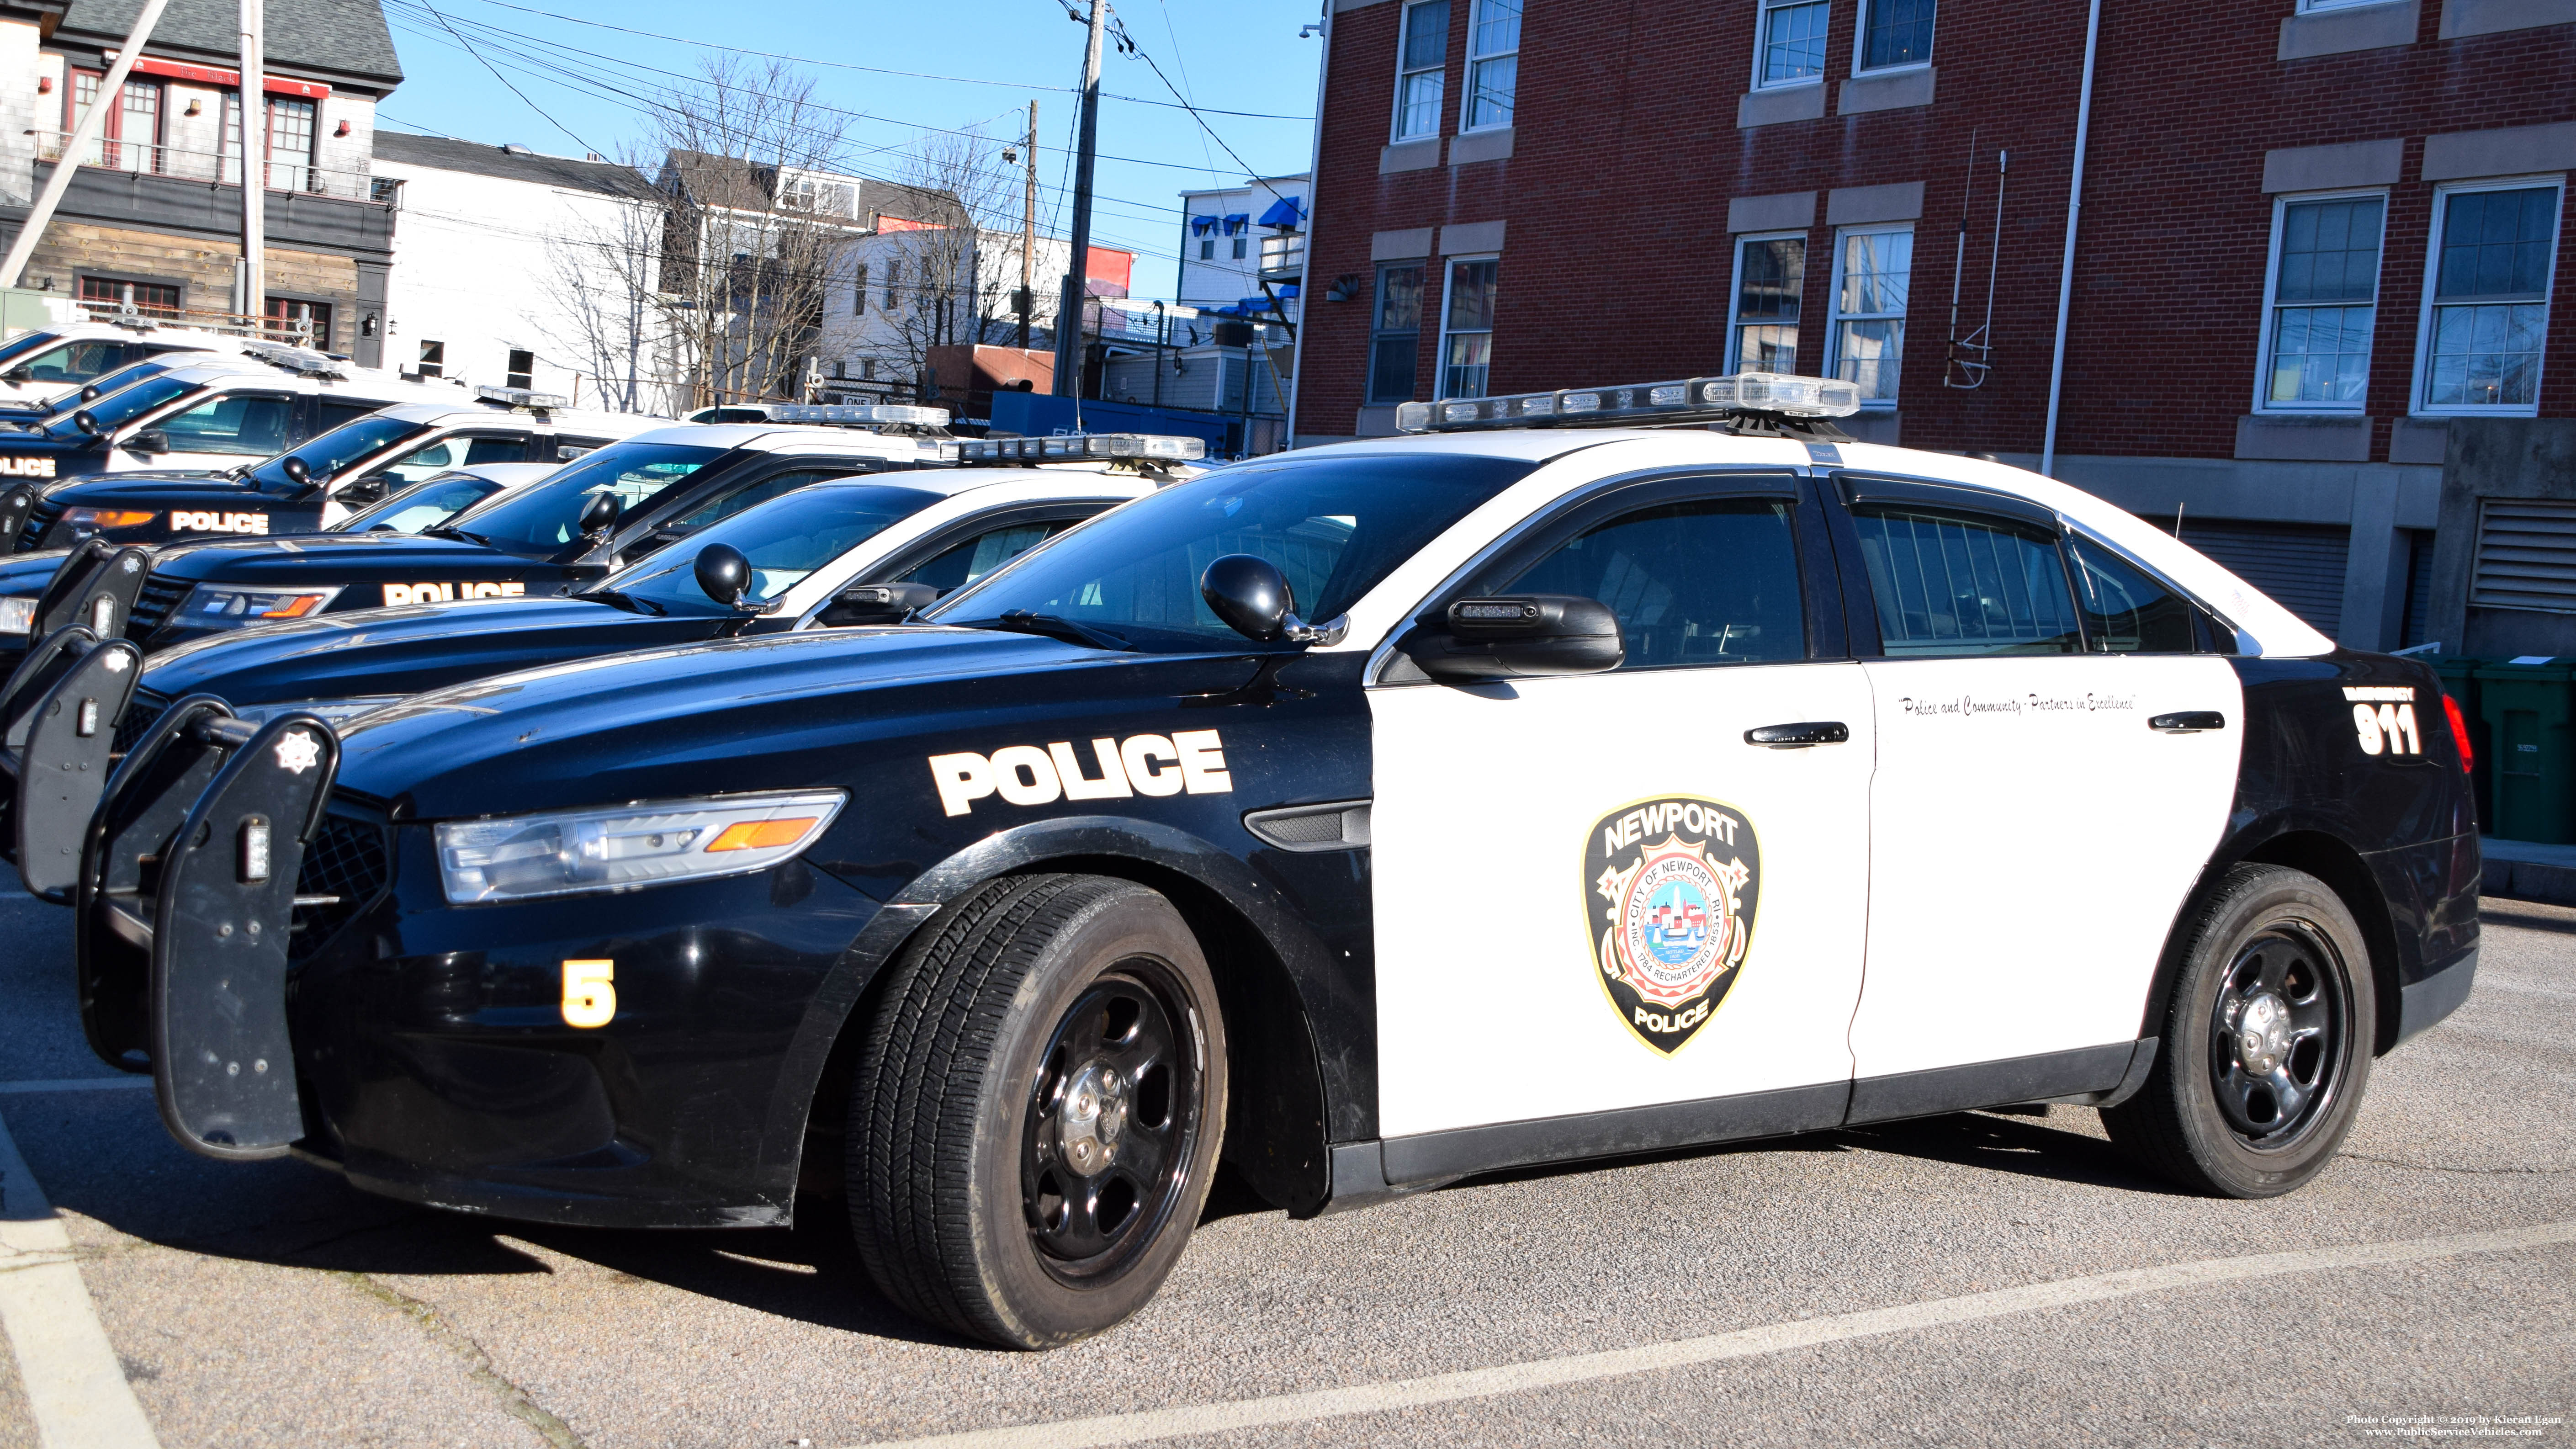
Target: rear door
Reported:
[(220, 431), (1594, 894), (2033, 833)]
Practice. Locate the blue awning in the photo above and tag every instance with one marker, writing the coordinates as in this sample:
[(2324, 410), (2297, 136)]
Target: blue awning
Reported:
[(1237, 222), (1284, 212), (1202, 225), (1287, 291)]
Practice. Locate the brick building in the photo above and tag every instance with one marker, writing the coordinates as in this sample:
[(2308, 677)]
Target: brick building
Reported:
[(1595, 191)]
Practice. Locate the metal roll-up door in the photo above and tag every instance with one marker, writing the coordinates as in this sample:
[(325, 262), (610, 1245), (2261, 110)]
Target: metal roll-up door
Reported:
[(2300, 565)]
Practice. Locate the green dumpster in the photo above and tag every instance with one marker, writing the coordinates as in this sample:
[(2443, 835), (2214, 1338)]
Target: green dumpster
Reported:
[(2526, 704), (2460, 681)]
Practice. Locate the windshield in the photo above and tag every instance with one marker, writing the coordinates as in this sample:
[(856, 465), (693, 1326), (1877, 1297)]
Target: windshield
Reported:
[(117, 409), (1333, 525), (422, 504), (124, 377), (335, 450), (27, 344), (546, 516), (786, 538)]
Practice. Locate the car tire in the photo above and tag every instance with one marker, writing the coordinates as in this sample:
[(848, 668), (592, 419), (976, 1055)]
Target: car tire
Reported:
[(1037, 1111), (2266, 1039)]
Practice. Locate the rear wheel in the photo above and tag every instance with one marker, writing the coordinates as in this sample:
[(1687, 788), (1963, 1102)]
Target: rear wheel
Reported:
[(2266, 1042), (1037, 1110)]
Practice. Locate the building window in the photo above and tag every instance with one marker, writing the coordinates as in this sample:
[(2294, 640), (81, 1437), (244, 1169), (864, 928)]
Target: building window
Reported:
[(1493, 64), (290, 145), (433, 359), (859, 292), (1207, 249), (523, 369), (1467, 327), (130, 140), (1770, 275), (1791, 45), (1395, 333), (894, 275), (107, 294), (307, 324), (1871, 269), (1895, 32), (1420, 58), (2494, 248), (385, 191), (2325, 296), (1238, 248)]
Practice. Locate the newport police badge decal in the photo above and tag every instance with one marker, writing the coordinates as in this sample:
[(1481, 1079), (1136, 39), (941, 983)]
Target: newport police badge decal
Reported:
[(1669, 887)]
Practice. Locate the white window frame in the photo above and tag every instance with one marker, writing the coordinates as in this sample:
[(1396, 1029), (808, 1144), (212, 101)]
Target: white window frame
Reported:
[(2271, 285), (2416, 378), (1835, 316), (1440, 359), (1735, 323), (1467, 93), (1761, 44), (1397, 135), (1860, 43)]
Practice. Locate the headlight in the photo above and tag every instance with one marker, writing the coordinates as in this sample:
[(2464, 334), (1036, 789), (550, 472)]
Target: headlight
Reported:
[(18, 615), (108, 517), (332, 711), (217, 607), (526, 856)]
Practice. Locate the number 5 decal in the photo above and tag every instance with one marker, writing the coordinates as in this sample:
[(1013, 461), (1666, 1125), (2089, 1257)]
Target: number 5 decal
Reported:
[(590, 992)]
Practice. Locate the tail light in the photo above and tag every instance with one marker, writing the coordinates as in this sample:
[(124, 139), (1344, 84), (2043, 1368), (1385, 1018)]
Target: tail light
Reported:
[(2459, 732)]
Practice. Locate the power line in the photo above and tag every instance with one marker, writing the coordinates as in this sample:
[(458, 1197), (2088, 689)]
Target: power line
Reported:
[(505, 80)]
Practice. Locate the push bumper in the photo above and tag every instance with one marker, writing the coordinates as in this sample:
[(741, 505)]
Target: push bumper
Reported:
[(58, 719)]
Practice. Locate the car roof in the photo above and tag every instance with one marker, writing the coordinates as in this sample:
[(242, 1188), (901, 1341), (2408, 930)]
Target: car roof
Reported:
[(1070, 482), (446, 412), (2271, 628), (508, 475)]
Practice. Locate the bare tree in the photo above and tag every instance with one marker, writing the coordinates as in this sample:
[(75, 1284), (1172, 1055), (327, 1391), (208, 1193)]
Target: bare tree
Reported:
[(960, 262), (605, 276)]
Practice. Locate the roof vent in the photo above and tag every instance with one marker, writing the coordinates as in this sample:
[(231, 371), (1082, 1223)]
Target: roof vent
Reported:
[(518, 151)]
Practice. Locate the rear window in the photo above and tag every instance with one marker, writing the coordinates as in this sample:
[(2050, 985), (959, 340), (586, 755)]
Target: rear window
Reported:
[(546, 516)]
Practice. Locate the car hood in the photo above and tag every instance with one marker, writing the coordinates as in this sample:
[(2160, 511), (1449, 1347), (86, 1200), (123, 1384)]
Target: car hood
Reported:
[(405, 649), (772, 713), (28, 573), (334, 557), (156, 490)]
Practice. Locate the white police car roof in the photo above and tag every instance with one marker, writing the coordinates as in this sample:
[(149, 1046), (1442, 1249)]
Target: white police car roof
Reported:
[(448, 412), (1573, 456)]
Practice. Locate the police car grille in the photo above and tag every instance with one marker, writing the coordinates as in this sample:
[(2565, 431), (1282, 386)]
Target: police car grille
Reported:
[(153, 606), (39, 518), (346, 859), (139, 716)]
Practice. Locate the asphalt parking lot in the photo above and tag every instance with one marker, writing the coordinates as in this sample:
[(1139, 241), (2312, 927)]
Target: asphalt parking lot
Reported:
[(1969, 1279)]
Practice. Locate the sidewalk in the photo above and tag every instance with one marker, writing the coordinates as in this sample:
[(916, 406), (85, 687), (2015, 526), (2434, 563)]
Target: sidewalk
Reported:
[(2528, 871)]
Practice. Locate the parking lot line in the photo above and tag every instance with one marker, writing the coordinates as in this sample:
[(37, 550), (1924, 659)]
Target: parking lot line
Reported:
[(75, 1388), (1242, 1414)]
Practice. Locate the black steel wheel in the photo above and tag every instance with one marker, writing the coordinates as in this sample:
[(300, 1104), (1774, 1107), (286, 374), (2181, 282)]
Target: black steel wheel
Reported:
[(1038, 1109), (2266, 1038)]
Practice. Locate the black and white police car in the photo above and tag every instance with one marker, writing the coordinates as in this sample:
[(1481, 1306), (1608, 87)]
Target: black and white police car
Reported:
[(49, 364), (1373, 815), (322, 480)]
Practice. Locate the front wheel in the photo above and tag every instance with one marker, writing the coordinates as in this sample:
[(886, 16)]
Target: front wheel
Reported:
[(2267, 1040), (1038, 1108)]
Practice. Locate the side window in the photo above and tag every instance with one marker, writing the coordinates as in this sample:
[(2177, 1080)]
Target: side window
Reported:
[(237, 423), (420, 464), (494, 450), (1712, 581), (1953, 585), (2125, 611), (962, 565), (760, 492), (332, 413)]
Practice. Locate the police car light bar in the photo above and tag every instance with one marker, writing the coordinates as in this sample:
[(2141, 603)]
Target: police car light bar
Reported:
[(1073, 447), (303, 361), (1745, 392), (520, 397), (878, 413)]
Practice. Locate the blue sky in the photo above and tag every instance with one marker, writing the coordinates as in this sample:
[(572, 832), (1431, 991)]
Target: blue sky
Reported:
[(1230, 55)]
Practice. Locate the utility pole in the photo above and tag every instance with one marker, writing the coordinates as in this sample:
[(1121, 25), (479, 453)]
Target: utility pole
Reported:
[(1068, 323), (1029, 231), (250, 287), (111, 93)]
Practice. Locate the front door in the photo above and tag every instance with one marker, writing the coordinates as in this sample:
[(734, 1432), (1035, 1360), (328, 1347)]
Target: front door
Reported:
[(221, 432), (2034, 835), (1592, 894)]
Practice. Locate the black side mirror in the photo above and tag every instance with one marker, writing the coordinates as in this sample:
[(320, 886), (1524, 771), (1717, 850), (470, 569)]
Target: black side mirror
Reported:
[(1525, 636), (154, 441), (370, 489), (600, 514), (724, 573), (1254, 599), (876, 604), (89, 393), (22, 373), (296, 469), (87, 423)]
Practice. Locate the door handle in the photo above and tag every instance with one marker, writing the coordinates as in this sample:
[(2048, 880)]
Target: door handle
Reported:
[(1799, 736), (2188, 722)]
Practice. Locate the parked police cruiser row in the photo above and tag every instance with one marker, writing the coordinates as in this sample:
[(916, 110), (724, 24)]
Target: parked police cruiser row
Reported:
[(983, 854)]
